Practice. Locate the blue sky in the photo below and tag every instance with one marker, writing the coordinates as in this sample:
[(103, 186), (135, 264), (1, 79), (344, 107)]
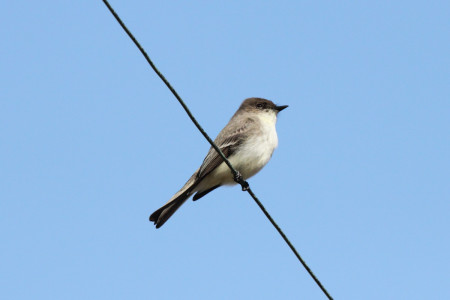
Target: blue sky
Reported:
[(92, 142)]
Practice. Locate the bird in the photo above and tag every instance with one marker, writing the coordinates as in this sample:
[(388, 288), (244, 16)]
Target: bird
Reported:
[(247, 141)]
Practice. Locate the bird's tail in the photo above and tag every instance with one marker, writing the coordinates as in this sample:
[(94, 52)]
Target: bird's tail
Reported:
[(160, 216)]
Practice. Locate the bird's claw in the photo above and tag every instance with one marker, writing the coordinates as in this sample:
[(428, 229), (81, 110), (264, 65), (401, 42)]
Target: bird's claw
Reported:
[(238, 178)]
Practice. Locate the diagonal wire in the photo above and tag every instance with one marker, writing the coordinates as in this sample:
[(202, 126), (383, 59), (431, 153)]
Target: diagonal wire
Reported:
[(237, 176)]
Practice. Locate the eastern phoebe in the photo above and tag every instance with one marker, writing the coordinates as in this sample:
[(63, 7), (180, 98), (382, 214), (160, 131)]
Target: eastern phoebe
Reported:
[(247, 141)]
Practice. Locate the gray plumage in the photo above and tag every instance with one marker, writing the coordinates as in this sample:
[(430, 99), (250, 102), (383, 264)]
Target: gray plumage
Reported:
[(247, 141)]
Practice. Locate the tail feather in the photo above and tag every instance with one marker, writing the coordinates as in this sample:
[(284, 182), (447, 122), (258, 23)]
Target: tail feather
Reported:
[(161, 215)]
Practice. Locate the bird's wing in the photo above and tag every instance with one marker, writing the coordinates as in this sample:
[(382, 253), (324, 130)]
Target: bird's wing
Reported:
[(227, 145)]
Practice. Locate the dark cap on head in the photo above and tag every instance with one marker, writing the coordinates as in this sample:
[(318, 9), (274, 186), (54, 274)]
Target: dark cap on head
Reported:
[(262, 104)]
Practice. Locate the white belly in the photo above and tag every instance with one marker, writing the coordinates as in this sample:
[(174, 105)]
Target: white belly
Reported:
[(255, 153), (252, 155)]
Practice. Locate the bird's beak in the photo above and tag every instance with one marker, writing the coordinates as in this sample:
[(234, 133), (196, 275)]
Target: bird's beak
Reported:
[(280, 107)]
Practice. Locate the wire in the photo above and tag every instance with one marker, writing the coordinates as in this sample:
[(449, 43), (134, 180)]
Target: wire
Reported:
[(236, 175)]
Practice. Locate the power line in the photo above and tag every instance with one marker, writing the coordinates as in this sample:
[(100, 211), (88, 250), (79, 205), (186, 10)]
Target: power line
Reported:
[(236, 175)]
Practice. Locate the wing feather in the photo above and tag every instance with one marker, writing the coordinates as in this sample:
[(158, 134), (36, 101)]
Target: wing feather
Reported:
[(227, 145)]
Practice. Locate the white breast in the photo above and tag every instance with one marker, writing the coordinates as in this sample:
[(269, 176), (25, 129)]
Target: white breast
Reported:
[(252, 155), (256, 152)]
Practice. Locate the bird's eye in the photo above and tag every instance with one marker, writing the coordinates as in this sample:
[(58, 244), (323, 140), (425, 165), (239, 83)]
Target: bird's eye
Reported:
[(259, 105)]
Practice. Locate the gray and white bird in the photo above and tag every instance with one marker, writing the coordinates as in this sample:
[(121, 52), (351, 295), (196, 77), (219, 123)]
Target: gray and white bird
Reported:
[(247, 141)]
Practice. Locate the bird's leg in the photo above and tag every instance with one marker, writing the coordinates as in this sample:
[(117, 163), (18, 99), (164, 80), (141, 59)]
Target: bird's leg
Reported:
[(238, 178)]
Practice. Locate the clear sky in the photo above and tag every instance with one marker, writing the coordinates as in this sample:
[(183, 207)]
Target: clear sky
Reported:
[(92, 142)]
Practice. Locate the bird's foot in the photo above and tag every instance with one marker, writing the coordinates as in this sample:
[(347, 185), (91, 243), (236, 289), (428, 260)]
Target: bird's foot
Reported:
[(239, 179)]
